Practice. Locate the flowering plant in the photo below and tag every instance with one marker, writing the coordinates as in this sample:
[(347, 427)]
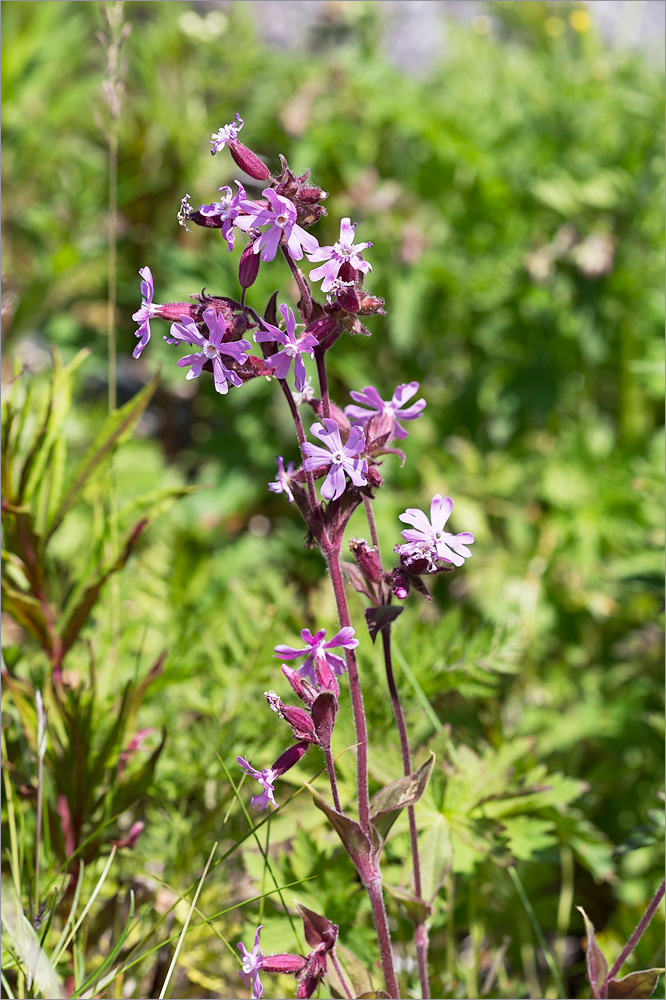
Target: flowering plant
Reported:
[(347, 460)]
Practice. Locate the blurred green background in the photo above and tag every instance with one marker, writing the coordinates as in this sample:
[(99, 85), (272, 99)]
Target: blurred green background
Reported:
[(513, 192)]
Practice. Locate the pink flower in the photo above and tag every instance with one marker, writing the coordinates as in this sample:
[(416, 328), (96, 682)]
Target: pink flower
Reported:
[(227, 134), (211, 349), (266, 778), (345, 251), (283, 483), (281, 220), (340, 458), (427, 538), (293, 347), (251, 965), (143, 315), (371, 399), (317, 649)]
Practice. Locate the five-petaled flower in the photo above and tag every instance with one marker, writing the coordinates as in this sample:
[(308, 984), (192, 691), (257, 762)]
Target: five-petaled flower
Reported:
[(227, 134), (373, 404), (225, 211), (251, 965), (427, 538), (341, 458), (283, 482), (211, 349), (146, 310), (345, 251), (293, 347), (266, 779), (281, 220), (316, 648)]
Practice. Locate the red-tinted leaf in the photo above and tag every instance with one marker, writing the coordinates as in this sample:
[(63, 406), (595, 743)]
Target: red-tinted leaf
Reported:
[(597, 969), (636, 984)]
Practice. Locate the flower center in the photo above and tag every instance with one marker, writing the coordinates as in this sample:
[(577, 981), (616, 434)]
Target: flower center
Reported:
[(211, 351), (281, 221), (337, 458)]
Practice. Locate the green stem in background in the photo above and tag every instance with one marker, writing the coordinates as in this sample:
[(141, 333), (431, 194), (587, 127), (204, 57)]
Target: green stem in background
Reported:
[(565, 902), (515, 878), (112, 254)]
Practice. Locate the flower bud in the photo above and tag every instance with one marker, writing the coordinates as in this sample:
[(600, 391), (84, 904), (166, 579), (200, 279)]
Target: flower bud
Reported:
[(248, 161), (283, 963), (248, 267), (291, 756), (349, 298), (367, 558)]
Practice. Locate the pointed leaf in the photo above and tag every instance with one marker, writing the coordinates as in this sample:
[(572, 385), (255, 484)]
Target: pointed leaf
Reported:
[(436, 856), (418, 909), (636, 985), (77, 616), (27, 611), (389, 802), (357, 580), (351, 834), (379, 618), (597, 969), (116, 428)]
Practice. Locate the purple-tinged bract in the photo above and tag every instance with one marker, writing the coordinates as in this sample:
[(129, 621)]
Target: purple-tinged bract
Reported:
[(345, 251), (341, 458), (293, 348)]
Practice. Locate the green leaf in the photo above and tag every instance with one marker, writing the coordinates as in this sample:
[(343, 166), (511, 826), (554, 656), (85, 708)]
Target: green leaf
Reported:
[(75, 619), (116, 428), (27, 611), (636, 985), (436, 856), (389, 802)]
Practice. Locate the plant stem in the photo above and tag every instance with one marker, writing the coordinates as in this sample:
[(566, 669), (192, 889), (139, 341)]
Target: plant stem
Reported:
[(341, 976), (333, 560), (330, 767), (323, 383), (638, 933), (303, 287), (367, 503), (40, 806), (420, 929), (300, 433), (374, 890)]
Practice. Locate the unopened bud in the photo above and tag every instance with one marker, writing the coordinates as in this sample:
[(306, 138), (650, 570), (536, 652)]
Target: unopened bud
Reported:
[(248, 161), (291, 756), (284, 963), (367, 558), (248, 267)]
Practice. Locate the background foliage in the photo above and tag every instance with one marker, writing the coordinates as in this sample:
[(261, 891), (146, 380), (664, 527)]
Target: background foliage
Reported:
[(514, 197)]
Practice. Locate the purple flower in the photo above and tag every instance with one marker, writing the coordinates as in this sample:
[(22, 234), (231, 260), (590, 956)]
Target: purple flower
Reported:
[(340, 458), (317, 649), (373, 404), (427, 538), (345, 251), (228, 133), (211, 349), (281, 219), (294, 347), (251, 965), (266, 779), (282, 484), (147, 309), (225, 211)]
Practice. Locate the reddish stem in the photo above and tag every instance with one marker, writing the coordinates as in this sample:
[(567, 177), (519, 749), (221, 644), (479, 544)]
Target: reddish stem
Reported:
[(300, 433), (330, 767), (374, 890), (638, 933), (303, 287)]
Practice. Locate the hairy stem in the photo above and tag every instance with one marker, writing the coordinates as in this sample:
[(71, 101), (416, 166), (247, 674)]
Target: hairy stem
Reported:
[(638, 933), (374, 890), (330, 767), (333, 560), (421, 929), (300, 433), (367, 503), (303, 287), (341, 976), (323, 383)]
